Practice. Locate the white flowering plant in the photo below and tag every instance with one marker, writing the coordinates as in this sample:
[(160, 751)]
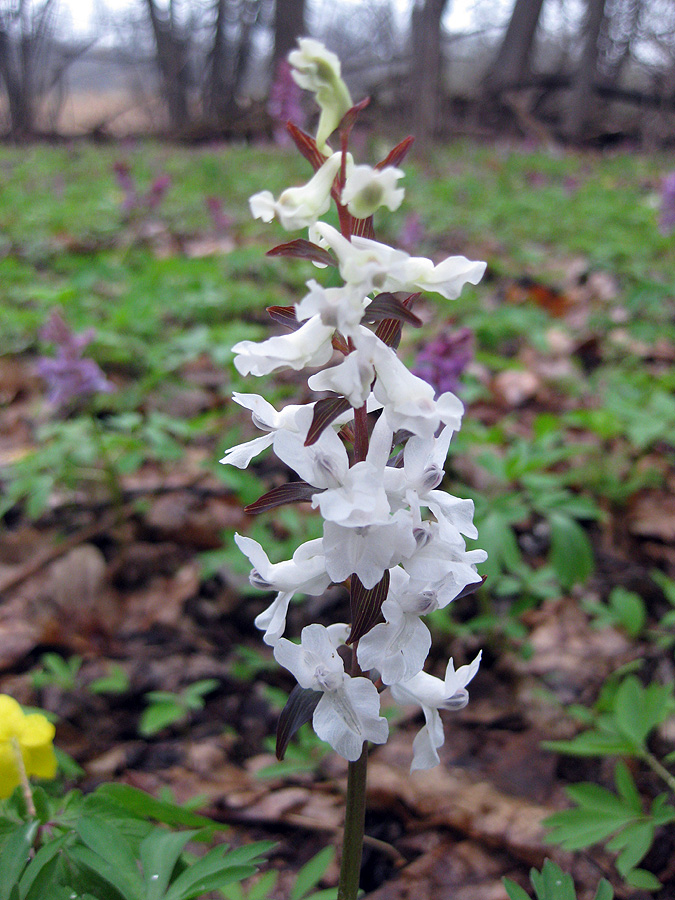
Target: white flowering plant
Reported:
[(368, 454)]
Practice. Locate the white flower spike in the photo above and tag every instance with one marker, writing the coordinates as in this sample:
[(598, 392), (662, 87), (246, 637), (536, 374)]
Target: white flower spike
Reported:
[(370, 456)]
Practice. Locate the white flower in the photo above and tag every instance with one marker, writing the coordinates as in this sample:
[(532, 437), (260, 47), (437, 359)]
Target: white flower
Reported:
[(408, 401), (366, 189), (305, 572), (368, 550), (360, 498), (316, 69), (363, 263), (352, 378), (309, 345), (299, 207), (433, 694), (447, 278), (323, 464), (339, 307), (265, 417), (441, 563), (398, 647), (348, 712), (423, 461), (372, 265)]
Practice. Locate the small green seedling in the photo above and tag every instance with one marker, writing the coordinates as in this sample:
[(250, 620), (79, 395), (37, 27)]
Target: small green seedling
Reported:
[(167, 708)]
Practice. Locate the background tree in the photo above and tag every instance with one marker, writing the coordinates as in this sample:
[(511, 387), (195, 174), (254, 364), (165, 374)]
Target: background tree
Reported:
[(289, 25), (513, 58), (580, 106), (171, 30), (427, 65), (28, 65)]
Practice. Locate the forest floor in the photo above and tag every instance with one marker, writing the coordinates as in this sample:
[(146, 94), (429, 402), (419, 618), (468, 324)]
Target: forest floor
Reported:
[(118, 573)]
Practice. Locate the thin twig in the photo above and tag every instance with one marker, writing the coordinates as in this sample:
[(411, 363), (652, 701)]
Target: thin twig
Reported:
[(39, 562)]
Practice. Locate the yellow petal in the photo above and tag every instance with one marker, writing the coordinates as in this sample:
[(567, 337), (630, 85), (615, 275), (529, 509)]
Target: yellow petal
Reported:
[(9, 774), (11, 717), (36, 731), (40, 761)]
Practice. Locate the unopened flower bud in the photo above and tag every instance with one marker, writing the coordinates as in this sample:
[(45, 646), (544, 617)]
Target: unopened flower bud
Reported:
[(318, 70)]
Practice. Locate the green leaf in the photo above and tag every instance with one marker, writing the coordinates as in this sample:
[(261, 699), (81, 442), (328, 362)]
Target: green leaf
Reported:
[(597, 798), (593, 743), (643, 880), (117, 881), (208, 874), (552, 883), (499, 539), (575, 829), (514, 890), (44, 882), (626, 787), (140, 804), (216, 869), (111, 856), (198, 689), (33, 879), (160, 715), (159, 853), (637, 839), (661, 812), (571, 550), (14, 857), (638, 710), (630, 610), (310, 874), (116, 682), (604, 891)]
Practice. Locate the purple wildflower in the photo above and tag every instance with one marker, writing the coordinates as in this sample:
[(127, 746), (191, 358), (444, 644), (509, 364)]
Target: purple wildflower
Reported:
[(135, 202), (284, 104), (667, 213), (126, 182), (444, 359), (69, 375), (158, 189), (221, 221)]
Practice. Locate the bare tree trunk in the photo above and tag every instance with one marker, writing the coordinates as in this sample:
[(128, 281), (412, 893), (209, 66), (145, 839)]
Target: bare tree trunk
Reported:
[(580, 99), (172, 61), (289, 25), (512, 62), (26, 50), (426, 66), (230, 50), (216, 87)]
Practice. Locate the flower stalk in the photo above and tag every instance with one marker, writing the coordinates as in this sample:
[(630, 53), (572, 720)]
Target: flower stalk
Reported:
[(26, 789), (355, 817)]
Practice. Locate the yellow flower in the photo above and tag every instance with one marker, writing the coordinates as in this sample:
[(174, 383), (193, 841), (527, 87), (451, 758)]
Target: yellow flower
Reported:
[(31, 735)]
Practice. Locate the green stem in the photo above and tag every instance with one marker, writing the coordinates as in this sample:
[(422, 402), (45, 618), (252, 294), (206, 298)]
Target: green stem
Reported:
[(23, 778), (355, 810), (660, 770), (355, 814)]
